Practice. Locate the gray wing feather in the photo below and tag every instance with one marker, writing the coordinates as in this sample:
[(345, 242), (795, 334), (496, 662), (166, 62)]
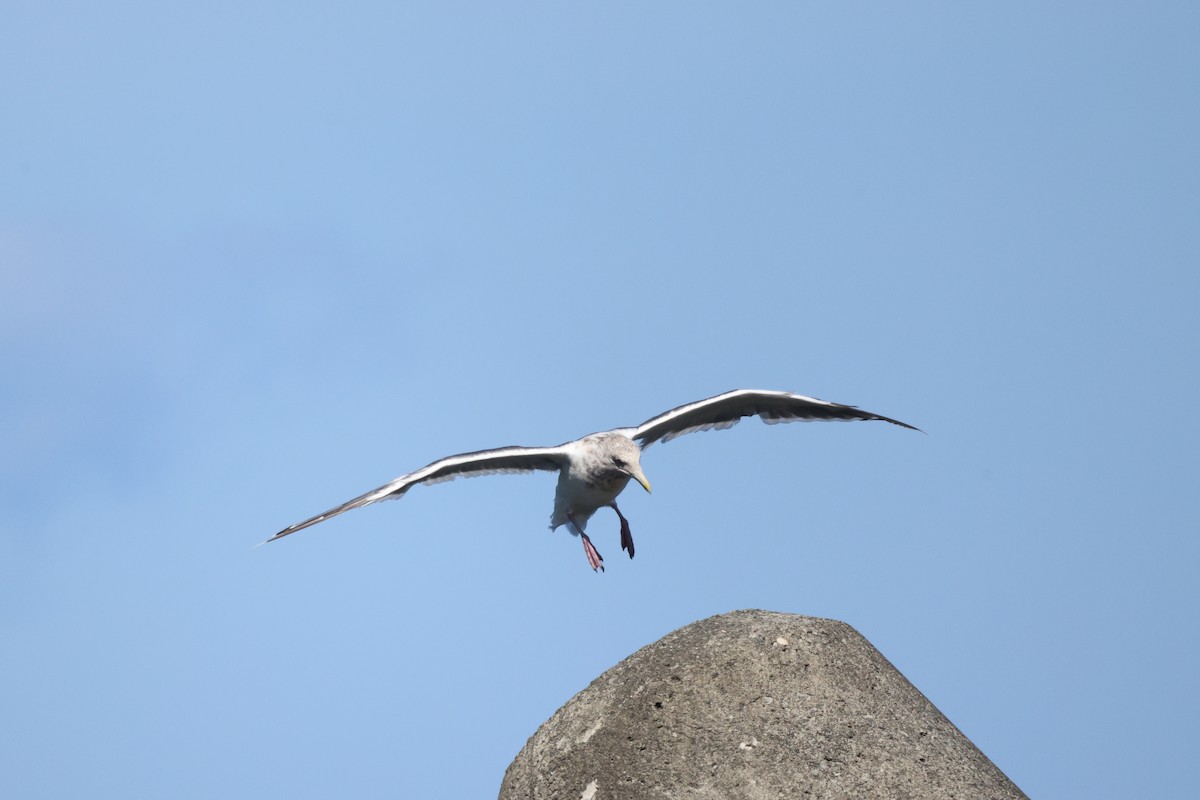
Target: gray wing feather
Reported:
[(726, 410), (501, 461)]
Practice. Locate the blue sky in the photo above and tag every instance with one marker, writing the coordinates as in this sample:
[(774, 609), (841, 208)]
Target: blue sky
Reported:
[(257, 258)]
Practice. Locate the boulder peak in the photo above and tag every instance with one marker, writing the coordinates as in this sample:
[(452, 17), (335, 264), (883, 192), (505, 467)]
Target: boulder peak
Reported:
[(752, 704)]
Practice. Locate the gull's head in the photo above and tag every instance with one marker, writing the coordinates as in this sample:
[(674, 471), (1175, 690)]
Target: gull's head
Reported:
[(623, 455)]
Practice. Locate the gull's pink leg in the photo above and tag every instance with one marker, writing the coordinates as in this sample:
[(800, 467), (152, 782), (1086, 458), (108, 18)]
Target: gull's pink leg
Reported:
[(589, 549), (626, 536), (593, 555)]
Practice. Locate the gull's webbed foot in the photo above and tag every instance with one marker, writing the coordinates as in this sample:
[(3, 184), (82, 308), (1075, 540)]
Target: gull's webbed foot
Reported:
[(595, 561), (593, 555), (626, 536)]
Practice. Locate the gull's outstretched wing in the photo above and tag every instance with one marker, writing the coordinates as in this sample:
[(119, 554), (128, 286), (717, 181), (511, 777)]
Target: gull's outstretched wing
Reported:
[(726, 410), (483, 462)]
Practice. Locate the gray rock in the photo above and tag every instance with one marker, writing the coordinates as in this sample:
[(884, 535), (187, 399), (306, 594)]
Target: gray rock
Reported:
[(752, 704)]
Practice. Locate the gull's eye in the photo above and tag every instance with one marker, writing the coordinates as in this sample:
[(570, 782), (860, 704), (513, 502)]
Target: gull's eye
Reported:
[(620, 462)]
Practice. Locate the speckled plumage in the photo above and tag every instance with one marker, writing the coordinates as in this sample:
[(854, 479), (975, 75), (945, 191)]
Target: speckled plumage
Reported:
[(592, 480)]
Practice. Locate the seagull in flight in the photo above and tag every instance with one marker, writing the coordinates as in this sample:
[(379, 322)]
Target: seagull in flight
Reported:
[(593, 470)]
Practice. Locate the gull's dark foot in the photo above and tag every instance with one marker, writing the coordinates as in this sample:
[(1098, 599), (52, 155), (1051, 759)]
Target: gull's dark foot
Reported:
[(626, 536)]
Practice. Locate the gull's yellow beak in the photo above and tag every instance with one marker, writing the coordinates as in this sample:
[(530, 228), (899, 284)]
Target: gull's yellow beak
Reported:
[(640, 478)]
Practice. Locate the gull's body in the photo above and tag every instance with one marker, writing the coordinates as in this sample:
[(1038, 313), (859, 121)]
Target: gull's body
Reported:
[(590, 481), (594, 470)]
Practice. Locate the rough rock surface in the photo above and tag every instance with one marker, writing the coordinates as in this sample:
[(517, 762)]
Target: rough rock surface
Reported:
[(752, 704)]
